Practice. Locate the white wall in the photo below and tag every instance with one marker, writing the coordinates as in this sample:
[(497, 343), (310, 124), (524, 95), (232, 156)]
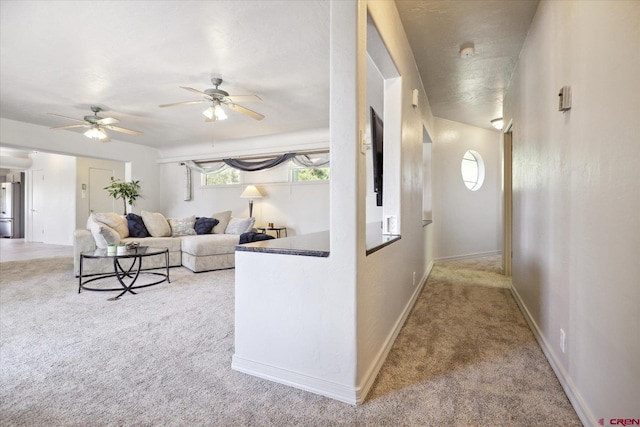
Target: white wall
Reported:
[(308, 326), (386, 287), (57, 209), (329, 323), (576, 225), (466, 222), (301, 207)]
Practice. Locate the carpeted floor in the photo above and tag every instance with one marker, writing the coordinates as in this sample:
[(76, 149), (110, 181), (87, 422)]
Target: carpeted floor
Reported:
[(163, 357)]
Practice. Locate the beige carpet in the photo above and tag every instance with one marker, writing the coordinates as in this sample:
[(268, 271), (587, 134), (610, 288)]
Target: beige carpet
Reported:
[(162, 358)]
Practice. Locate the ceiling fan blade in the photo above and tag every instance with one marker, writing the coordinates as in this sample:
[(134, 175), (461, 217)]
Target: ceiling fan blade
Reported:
[(243, 110), (107, 121), (70, 127), (182, 103), (190, 89), (65, 117), (244, 98), (123, 130)]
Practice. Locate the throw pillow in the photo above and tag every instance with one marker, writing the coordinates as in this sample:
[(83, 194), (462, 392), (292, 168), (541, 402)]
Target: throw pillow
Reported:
[(115, 221), (240, 225), (103, 235), (223, 220), (136, 226), (182, 226), (204, 225), (156, 224)]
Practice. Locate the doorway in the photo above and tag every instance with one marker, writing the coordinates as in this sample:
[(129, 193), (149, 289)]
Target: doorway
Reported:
[(37, 208), (99, 199)]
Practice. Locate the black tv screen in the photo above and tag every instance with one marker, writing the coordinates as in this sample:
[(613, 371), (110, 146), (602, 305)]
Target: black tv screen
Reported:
[(377, 130)]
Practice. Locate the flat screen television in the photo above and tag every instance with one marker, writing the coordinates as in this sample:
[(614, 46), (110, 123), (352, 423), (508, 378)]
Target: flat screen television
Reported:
[(377, 130)]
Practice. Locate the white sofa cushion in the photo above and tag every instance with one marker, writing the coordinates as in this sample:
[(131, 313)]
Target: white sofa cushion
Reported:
[(210, 244), (182, 226), (223, 218), (115, 221), (156, 224), (171, 243), (103, 234), (240, 225)]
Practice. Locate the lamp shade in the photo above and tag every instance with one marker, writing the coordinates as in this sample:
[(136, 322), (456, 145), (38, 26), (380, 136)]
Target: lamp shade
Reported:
[(251, 192), (497, 123)]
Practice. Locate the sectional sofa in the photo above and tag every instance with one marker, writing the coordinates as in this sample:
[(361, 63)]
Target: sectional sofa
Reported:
[(199, 244)]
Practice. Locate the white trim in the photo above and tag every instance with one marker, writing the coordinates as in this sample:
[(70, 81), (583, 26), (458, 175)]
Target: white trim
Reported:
[(468, 256), (372, 373), (298, 380), (578, 403)]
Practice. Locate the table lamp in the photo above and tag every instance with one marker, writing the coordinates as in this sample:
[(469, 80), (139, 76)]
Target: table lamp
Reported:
[(251, 192)]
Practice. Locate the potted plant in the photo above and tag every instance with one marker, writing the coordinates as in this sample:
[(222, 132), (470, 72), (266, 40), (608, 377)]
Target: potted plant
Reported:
[(127, 191)]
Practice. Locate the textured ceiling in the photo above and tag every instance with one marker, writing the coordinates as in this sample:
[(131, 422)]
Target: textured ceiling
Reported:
[(131, 56), (466, 90)]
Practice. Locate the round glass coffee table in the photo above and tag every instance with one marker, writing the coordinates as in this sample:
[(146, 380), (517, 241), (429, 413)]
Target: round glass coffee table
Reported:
[(127, 274)]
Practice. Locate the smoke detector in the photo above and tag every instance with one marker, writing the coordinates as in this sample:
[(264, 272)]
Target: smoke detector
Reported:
[(467, 52)]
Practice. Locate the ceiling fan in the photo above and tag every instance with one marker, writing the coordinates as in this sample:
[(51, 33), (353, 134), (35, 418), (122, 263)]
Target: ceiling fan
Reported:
[(216, 98), (96, 125)]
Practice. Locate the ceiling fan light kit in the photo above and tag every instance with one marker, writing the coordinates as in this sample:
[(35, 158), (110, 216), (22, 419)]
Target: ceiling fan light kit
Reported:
[(96, 133), (215, 112), (96, 125), (217, 97)]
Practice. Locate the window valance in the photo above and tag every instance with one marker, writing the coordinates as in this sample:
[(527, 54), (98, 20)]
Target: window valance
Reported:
[(316, 159)]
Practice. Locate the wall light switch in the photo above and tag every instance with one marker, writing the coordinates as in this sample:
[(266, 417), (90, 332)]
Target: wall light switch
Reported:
[(564, 102), (363, 143)]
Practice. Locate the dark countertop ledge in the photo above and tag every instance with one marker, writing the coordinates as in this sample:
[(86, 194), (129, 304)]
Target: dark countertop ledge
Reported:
[(313, 244), (316, 244)]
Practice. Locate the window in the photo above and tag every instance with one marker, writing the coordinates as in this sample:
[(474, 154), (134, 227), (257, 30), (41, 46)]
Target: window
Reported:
[(472, 169), (222, 177), (309, 174)]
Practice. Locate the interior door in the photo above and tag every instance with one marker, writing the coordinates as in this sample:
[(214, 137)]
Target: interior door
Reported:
[(99, 199), (37, 205)]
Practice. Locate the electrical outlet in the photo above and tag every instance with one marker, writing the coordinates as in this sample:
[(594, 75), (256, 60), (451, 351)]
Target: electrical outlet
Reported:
[(563, 340)]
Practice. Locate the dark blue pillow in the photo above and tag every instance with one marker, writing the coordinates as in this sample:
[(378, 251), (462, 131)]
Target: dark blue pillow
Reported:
[(136, 226), (204, 225)]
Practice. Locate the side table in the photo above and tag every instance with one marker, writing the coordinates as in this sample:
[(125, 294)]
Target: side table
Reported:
[(276, 228)]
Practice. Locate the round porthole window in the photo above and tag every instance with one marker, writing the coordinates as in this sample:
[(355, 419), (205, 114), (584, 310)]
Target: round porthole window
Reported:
[(472, 169)]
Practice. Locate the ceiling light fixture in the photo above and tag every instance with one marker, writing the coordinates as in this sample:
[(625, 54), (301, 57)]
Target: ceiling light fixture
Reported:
[(95, 132), (497, 123), (215, 112)]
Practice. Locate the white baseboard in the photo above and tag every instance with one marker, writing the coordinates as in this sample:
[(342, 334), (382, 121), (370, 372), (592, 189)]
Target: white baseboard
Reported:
[(315, 385), (468, 256), (369, 378), (578, 403), (341, 392)]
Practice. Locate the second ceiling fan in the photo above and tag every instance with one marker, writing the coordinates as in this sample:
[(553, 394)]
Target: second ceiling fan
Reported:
[(217, 98)]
